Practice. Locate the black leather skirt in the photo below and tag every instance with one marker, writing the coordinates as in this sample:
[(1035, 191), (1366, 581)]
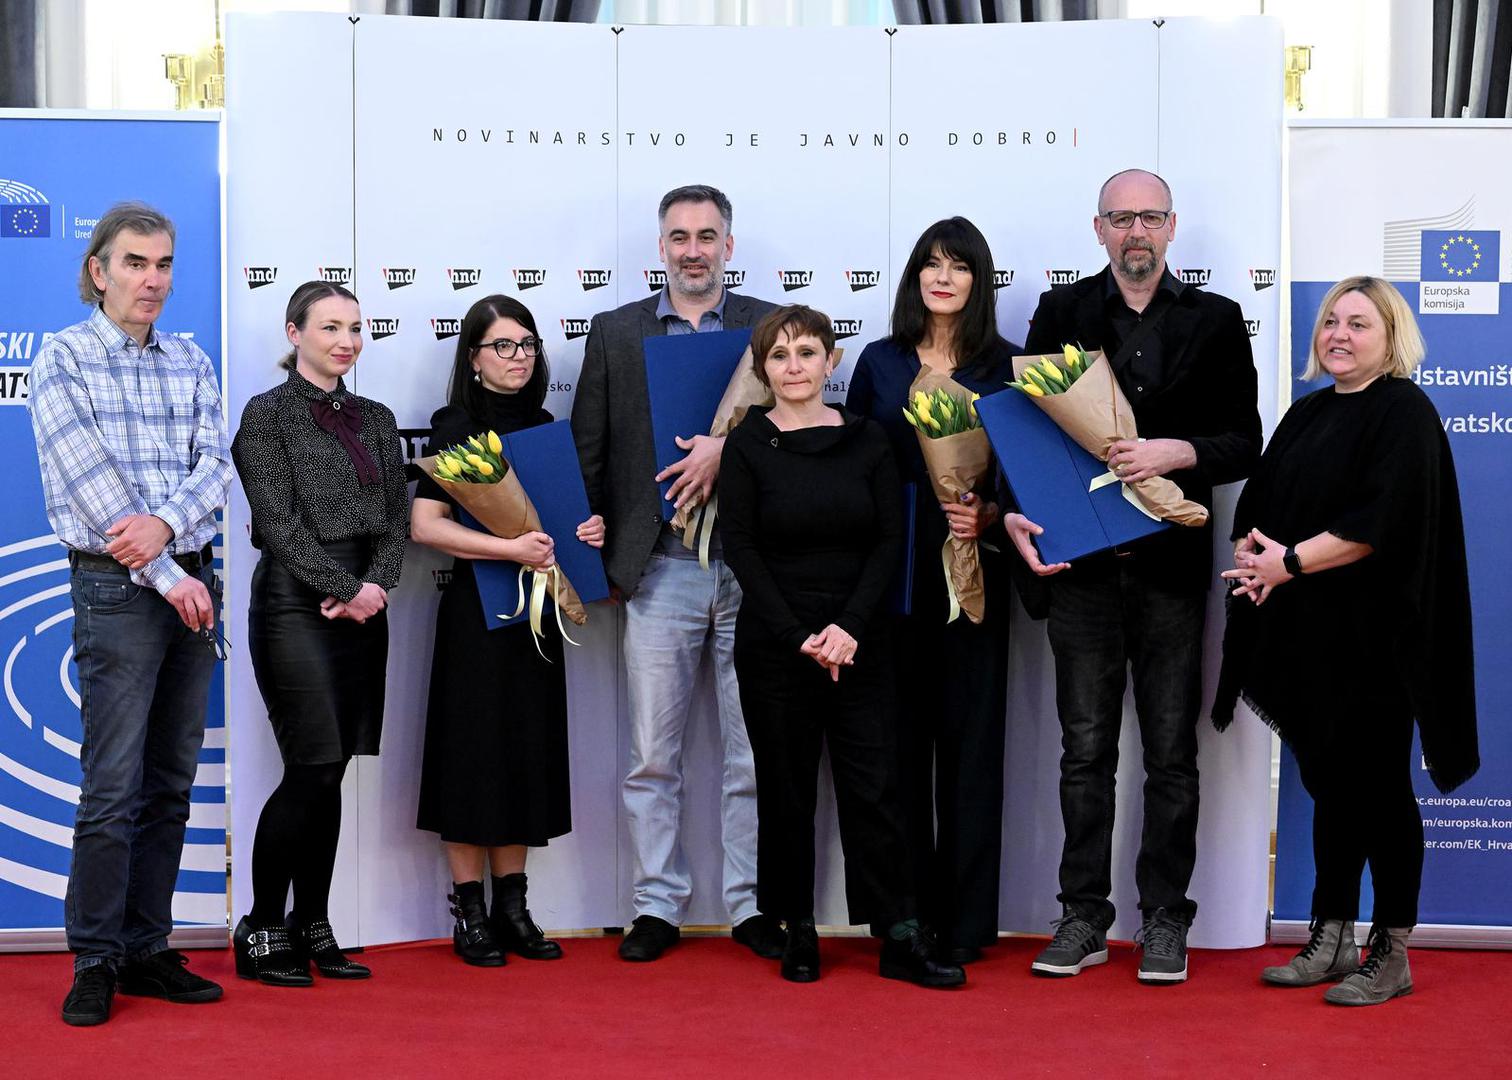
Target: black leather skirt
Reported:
[(322, 679)]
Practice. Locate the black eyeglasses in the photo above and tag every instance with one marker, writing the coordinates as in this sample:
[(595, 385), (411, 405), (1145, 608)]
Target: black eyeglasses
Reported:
[(505, 349), (215, 642), (1124, 219)]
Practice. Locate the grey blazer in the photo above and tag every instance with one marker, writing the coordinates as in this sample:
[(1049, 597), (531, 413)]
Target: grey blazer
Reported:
[(611, 423)]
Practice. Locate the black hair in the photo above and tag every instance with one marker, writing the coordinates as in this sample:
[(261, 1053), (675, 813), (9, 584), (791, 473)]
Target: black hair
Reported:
[(697, 193), (464, 391), (976, 335)]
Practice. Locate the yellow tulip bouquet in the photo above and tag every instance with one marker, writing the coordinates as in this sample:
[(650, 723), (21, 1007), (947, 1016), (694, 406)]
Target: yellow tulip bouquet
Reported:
[(958, 457), (1078, 390), (477, 476)]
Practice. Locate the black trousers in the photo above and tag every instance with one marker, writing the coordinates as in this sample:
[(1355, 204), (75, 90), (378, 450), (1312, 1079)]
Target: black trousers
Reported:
[(792, 711), (952, 682), (1365, 811), (1105, 620)]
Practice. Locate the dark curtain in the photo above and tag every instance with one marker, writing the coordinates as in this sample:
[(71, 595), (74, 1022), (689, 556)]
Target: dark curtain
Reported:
[(1472, 58), (18, 54), (925, 12), (584, 11)]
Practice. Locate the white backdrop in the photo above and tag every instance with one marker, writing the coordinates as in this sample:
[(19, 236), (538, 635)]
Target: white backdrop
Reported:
[(516, 147)]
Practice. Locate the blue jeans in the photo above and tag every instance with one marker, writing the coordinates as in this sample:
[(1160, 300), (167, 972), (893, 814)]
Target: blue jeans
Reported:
[(679, 612), (144, 681), (1104, 620)]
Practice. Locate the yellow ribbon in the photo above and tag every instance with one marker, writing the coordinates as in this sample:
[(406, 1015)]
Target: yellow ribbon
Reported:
[(538, 603), (706, 529), (1110, 477)]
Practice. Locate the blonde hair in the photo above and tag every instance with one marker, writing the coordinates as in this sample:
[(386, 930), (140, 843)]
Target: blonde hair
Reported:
[(1404, 341)]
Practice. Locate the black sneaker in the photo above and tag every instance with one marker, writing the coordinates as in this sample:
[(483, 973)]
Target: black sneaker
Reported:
[(1077, 944), (1163, 939), (88, 1000), (916, 959), (762, 934), (166, 975), (648, 938)]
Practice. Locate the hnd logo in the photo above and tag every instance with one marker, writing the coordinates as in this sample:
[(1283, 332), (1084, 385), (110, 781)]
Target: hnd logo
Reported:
[(845, 328), (1195, 277), (656, 280), (334, 275), (574, 328), (1262, 279), (24, 212), (398, 277), (593, 279), (462, 279), (1253, 326), (863, 279), (529, 279), (795, 279), (258, 276), (734, 279), (1063, 277), (446, 328), (1001, 279), (378, 329)]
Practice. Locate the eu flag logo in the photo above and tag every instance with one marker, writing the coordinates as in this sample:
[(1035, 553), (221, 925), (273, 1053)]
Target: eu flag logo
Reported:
[(1469, 255), (27, 219)]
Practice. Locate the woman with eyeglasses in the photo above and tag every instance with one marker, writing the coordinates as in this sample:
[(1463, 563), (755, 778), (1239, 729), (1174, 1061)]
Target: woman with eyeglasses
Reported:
[(952, 722), (494, 781), (324, 478)]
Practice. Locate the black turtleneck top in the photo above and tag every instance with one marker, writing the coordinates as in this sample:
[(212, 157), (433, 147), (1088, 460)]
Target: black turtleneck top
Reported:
[(503, 414), (813, 525), (303, 489)]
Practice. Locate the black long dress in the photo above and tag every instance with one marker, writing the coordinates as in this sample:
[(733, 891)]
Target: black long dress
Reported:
[(495, 770)]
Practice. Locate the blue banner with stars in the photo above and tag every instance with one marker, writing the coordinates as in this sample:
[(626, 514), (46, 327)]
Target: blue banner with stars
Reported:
[(1469, 256)]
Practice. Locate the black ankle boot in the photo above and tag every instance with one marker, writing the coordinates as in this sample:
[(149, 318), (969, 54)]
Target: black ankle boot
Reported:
[(800, 956), (513, 927), (266, 955), (472, 937), (316, 941)]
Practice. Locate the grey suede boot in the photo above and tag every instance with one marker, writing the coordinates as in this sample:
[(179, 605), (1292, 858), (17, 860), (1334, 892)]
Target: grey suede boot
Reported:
[(1384, 974), (1329, 955)]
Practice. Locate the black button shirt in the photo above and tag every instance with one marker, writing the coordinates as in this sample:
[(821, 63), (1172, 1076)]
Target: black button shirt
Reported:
[(1144, 371)]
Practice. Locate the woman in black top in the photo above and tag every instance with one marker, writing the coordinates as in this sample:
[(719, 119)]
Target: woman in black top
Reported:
[(812, 529), (324, 478), (1351, 620), (952, 725), (495, 778)]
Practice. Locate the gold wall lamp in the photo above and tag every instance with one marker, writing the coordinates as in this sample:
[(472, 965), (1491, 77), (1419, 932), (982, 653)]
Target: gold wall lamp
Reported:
[(1298, 63)]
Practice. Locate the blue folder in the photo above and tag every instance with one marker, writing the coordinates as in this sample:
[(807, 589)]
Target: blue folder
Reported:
[(1048, 474), (900, 595), (545, 460), (686, 375)]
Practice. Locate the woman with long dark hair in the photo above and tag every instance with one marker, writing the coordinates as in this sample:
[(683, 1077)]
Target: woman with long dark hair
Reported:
[(952, 680), (494, 780), (324, 478)]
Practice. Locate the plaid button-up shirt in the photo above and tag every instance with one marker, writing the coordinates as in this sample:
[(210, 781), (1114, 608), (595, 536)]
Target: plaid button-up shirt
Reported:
[(123, 430)]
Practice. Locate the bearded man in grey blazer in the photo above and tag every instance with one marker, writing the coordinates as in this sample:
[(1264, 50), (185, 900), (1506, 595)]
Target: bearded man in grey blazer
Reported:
[(677, 613)]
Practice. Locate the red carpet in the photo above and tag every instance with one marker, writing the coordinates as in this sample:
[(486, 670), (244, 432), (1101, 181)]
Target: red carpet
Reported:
[(710, 1008)]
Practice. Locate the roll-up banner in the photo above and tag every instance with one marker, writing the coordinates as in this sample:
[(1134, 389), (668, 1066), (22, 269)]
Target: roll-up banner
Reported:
[(836, 149), (59, 172), (1425, 205)]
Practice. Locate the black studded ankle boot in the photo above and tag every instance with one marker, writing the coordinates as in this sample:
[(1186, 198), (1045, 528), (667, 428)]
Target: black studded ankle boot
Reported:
[(472, 937), (264, 954), (513, 927), (315, 942)]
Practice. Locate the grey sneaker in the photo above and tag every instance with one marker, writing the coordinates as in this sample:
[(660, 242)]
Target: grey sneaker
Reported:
[(1384, 974), (1077, 944), (1163, 941), (1329, 955)]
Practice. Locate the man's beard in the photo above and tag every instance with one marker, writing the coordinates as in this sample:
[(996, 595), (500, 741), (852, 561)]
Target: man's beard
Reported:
[(713, 279), (1137, 271)]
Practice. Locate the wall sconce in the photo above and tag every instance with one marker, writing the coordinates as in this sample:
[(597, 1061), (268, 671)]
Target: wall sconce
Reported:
[(199, 79), (1298, 63)]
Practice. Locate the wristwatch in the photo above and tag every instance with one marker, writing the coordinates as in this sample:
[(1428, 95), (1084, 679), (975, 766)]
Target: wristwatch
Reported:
[(1292, 563)]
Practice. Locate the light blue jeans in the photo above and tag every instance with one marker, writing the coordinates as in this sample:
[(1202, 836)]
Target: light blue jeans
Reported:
[(679, 614)]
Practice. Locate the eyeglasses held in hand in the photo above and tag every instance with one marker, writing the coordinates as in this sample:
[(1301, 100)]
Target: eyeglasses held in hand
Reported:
[(1124, 219), (505, 349), (215, 642)]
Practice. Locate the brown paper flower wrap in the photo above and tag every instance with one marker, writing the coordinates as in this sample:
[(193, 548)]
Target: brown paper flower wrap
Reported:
[(956, 464), (1095, 413), (696, 523), (503, 508)]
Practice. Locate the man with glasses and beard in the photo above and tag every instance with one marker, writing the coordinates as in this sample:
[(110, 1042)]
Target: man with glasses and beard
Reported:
[(675, 611), (132, 444), (1182, 357)]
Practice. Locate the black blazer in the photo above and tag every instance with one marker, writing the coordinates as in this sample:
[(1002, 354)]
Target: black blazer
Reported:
[(1208, 398), (611, 423)]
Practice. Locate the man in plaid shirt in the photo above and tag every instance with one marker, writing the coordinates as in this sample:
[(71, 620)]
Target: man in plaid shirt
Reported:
[(132, 443)]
